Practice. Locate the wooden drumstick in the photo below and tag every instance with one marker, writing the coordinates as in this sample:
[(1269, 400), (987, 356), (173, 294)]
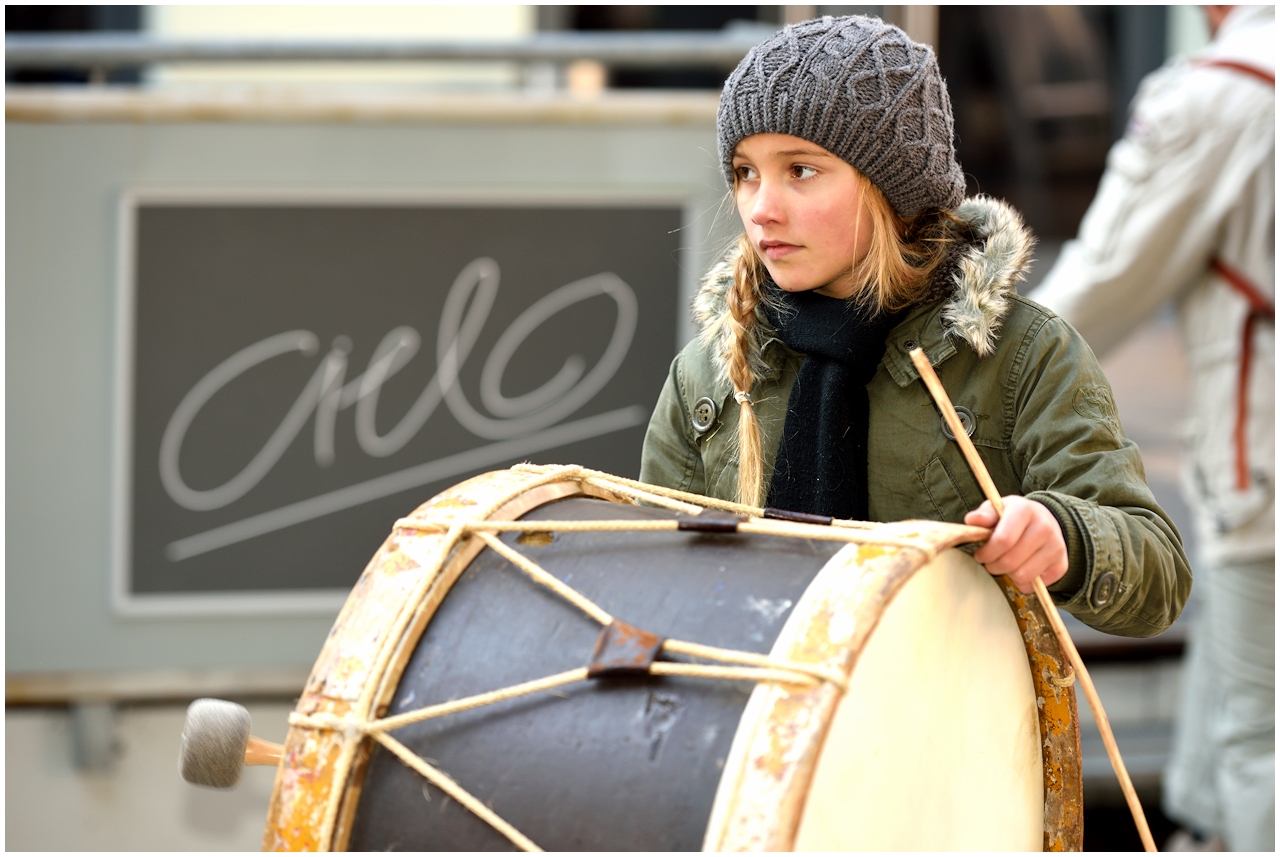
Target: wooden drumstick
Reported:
[(930, 378), (260, 752)]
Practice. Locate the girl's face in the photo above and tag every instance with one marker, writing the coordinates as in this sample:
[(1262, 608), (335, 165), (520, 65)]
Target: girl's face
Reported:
[(803, 211)]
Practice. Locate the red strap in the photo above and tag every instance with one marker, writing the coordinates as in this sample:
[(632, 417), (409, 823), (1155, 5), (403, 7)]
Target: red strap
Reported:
[(1259, 304), (1261, 74), (1260, 308)]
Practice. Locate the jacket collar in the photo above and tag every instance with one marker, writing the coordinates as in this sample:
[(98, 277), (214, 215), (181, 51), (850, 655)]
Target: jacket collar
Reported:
[(985, 277)]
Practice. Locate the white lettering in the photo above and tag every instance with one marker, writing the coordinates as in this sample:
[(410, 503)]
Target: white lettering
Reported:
[(225, 372), (466, 309)]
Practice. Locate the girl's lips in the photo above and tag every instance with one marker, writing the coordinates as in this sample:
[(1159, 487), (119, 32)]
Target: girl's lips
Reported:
[(777, 249)]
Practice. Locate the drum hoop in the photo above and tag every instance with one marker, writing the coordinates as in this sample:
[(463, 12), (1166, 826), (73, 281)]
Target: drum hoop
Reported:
[(771, 763), (317, 790), (1052, 677)]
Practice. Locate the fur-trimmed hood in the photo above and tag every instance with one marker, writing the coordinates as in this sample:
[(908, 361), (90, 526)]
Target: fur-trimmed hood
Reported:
[(985, 275)]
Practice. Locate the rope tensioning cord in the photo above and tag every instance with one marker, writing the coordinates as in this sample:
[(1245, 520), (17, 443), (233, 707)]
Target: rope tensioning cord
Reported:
[(745, 666)]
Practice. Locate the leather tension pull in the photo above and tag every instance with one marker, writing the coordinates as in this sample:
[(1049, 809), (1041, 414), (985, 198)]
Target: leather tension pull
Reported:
[(623, 649), (710, 521), (796, 517)]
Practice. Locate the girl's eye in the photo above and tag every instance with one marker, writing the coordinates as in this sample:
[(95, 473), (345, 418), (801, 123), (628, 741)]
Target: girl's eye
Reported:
[(745, 173), (802, 172)]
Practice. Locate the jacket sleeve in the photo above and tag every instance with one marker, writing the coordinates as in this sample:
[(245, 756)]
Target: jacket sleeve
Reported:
[(670, 455), (1127, 572), (1150, 231)]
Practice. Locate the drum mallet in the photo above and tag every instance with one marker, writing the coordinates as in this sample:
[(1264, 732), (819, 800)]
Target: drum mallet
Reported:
[(979, 469), (216, 744)]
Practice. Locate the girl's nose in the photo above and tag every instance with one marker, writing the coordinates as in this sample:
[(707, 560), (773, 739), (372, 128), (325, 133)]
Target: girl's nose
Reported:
[(766, 206)]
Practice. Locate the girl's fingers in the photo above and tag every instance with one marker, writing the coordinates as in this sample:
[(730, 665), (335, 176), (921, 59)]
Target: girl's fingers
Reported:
[(1007, 532), (1048, 564), (1040, 543), (983, 516), (1026, 544)]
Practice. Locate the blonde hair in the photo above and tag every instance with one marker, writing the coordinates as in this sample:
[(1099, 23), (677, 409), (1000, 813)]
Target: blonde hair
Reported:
[(896, 271)]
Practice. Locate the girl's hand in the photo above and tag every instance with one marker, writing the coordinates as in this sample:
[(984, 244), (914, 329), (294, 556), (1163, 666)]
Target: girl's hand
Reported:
[(1027, 542)]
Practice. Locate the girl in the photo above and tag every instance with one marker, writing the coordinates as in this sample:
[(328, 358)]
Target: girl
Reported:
[(835, 136)]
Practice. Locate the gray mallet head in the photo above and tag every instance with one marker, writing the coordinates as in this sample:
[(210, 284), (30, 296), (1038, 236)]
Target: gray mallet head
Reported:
[(213, 743)]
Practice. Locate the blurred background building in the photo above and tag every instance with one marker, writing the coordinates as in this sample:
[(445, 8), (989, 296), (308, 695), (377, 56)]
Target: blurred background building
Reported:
[(142, 134)]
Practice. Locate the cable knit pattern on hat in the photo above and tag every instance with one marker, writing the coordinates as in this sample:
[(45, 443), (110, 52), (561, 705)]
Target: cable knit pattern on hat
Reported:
[(859, 88)]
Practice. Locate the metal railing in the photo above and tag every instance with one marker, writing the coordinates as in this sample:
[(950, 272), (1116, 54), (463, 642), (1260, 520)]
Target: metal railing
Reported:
[(109, 51)]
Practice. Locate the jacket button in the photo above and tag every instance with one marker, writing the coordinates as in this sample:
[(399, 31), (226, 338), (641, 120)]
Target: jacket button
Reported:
[(704, 414), (966, 421), (909, 344), (1104, 589)]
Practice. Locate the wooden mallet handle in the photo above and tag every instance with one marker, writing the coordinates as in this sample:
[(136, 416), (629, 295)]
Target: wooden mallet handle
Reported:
[(259, 752), (930, 378)]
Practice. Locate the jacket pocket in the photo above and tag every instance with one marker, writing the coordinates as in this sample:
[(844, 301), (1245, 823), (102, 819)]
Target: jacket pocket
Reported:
[(948, 500)]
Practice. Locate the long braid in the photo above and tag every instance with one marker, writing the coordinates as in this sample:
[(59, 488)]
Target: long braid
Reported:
[(743, 297)]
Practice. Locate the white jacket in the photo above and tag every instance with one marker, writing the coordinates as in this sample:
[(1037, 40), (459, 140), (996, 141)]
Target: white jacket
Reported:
[(1194, 180)]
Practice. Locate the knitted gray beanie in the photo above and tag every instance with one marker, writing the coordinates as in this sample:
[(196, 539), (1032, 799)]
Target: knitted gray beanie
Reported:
[(860, 89)]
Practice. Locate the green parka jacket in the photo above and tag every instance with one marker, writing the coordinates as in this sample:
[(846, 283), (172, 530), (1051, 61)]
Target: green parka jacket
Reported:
[(1042, 414)]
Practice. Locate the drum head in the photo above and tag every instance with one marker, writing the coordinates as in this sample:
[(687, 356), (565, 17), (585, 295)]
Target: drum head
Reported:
[(935, 746)]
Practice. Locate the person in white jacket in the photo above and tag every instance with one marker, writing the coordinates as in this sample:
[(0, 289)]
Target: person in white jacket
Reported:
[(1186, 213)]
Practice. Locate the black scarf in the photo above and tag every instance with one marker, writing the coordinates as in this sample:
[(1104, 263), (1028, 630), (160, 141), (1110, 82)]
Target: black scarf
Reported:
[(822, 461)]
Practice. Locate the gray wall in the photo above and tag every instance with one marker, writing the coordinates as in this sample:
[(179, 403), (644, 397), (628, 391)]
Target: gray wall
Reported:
[(65, 176)]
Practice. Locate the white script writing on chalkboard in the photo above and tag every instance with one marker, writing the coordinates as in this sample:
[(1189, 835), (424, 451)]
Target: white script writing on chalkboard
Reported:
[(327, 392)]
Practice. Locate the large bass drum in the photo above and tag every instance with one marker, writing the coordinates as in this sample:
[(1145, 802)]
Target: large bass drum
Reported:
[(549, 657)]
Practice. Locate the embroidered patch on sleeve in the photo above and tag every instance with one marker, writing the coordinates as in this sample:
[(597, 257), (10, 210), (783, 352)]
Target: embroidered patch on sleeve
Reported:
[(1094, 402)]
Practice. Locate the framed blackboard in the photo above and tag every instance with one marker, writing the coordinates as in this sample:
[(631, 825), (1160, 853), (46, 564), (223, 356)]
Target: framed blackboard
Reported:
[(295, 374)]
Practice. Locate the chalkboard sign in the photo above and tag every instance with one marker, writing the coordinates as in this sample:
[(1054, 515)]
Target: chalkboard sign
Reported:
[(297, 375)]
